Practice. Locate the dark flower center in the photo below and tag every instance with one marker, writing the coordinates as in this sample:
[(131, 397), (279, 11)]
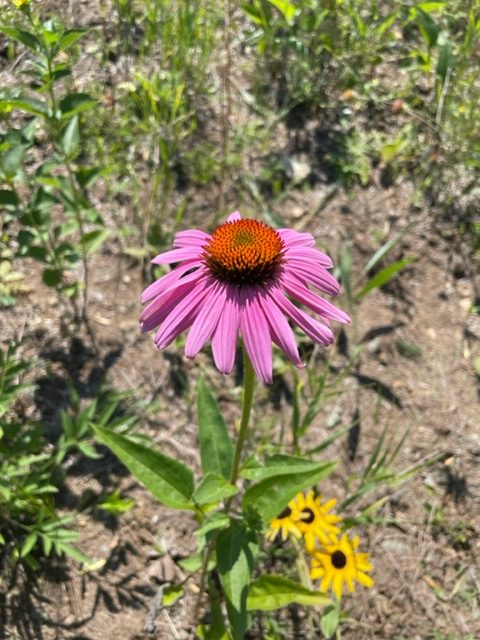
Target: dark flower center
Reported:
[(244, 252), (285, 514), (309, 516), (339, 559)]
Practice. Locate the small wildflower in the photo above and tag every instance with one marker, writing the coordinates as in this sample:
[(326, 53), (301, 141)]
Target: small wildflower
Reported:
[(19, 3), (316, 523), (285, 523), (339, 562), (242, 280)]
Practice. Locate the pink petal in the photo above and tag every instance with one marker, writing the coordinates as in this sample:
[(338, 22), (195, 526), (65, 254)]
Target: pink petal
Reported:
[(224, 341), (292, 238), (207, 319), (161, 307), (233, 217), (299, 291), (318, 276), (309, 254), (178, 255), (191, 238), (256, 334), (280, 330), (182, 315), (315, 330), (168, 280)]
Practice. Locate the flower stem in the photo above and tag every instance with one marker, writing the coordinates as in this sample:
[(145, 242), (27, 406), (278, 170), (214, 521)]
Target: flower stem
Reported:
[(249, 385)]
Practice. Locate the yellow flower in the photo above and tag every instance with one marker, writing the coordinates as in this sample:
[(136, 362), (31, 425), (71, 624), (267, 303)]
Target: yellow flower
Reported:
[(339, 562), (19, 3), (285, 523), (315, 521)]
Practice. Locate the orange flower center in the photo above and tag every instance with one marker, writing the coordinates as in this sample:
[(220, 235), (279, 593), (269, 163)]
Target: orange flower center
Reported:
[(244, 252)]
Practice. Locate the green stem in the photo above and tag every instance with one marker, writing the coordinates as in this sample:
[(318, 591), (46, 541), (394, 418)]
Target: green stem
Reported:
[(302, 566), (249, 385)]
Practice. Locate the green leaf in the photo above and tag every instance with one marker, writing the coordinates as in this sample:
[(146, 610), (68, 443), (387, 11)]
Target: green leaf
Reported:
[(70, 37), (431, 7), (86, 175), (279, 465), (252, 12), (330, 620), (287, 9), (30, 105), (213, 488), (385, 275), (114, 503), (11, 161), (74, 553), (52, 277), (172, 594), (89, 451), (216, 448), (269, 497), (74, 103), (71, 138), (193, 563), (235, 562), (387, 247), (446, 60), (167, 479), (214, 521), (29, 542), (25, 37), (8, 198), (270, 592), (427, 26), (93, 240)]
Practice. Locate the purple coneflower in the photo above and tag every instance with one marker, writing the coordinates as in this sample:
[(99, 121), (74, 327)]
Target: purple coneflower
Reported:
[(239, 281)]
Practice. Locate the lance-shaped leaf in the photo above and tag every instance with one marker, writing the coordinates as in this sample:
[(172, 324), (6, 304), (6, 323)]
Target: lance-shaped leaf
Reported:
[(272, 592), (270, 496), (168, 480), (235, 561), (216, 448), (212, 489), (384, 276), (278, 465)]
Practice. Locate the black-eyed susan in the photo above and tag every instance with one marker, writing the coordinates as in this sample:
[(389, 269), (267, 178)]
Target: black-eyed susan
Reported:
[(316, 523), (340, 562), (285, 523)]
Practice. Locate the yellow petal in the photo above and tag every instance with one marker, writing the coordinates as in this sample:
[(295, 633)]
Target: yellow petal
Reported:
[(337, 585), (327, 581), (367, 581)]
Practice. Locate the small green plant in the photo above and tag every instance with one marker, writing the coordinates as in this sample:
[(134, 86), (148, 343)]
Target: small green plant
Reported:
[(31, 471), (58, 224), (30, 525)]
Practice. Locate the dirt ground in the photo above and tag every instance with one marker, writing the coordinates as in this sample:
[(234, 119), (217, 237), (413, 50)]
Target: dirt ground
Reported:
[(427, 550)]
